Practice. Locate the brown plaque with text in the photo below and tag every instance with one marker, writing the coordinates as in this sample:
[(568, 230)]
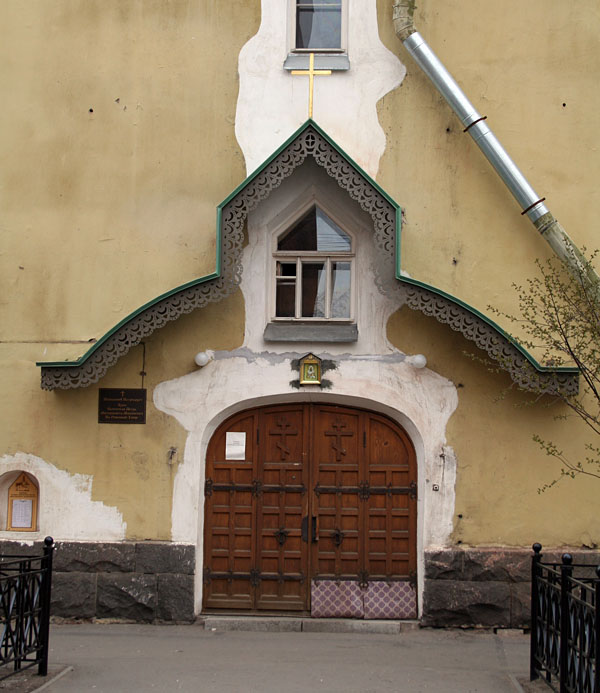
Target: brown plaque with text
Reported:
[(121, 406)]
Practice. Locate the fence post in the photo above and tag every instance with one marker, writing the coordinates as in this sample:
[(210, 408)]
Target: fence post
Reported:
[(566, 571), (533, 640), (46, 590), (597, 627)]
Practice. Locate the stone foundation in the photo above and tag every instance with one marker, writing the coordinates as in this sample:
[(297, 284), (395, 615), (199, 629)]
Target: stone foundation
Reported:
[(488, 587), (138, 581), (154, 582)]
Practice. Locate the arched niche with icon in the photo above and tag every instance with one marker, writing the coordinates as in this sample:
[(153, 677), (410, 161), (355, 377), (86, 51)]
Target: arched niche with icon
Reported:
[(19, 501)]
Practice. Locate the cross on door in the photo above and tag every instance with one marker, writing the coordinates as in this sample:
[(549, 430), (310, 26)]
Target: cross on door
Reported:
[(286, 429), (337, 444)]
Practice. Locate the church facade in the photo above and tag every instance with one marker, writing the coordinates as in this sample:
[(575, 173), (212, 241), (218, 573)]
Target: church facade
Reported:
[(252, 260)]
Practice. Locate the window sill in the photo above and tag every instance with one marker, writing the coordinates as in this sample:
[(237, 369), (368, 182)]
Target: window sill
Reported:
[(307, 332), (323, 61)]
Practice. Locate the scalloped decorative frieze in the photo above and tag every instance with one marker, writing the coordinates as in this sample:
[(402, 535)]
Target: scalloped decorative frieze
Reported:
[(308, 143)]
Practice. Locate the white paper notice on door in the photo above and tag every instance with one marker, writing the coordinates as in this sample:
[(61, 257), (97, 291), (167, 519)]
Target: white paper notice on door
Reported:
[(22, 513), (235, 445)]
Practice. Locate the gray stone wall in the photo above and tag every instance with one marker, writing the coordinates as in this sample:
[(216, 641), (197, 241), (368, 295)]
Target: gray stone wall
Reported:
[(138, 581), (488, 587)]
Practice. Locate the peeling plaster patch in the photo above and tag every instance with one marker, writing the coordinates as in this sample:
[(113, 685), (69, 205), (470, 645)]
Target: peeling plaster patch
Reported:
[(272, 103), (66, 509)]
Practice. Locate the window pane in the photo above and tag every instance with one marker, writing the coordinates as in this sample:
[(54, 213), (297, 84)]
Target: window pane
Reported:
[(340, 290), (330, 237), (319, 25), (313, 289), (316, 231), (285, 299)]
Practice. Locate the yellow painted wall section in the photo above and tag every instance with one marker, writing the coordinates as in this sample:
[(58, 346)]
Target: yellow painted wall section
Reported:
[(115, 115), (131, 465), (533, 69), (500, 467)]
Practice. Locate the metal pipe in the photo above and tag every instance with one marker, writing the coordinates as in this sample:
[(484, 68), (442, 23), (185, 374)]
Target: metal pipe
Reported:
[(548, 226), (474, 124)]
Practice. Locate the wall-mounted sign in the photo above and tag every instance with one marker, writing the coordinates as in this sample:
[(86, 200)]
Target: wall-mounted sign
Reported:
[(22, 505), (310, 370), (121, 406), (235, 445)]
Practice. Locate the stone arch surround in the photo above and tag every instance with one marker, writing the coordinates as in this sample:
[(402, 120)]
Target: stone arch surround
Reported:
[(388, 385)]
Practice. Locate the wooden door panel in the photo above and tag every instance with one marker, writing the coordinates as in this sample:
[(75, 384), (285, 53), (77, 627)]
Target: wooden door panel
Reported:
[(390, 508), (336, 463), (282, 556), (230, 527), (322, 491)]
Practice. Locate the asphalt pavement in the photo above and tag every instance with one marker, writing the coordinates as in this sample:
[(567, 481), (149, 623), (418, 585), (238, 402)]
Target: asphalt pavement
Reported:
[(115, 658)]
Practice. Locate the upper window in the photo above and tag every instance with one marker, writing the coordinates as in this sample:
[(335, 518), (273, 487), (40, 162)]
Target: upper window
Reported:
[(318, 25), (314, 270)]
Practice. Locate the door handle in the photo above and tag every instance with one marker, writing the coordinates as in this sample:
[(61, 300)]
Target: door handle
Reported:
[(304, 529), (314, 536)]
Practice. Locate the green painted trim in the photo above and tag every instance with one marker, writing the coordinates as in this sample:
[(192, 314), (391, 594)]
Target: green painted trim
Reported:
[(290, 139), (219, 251), (131, 316), (542, 369)]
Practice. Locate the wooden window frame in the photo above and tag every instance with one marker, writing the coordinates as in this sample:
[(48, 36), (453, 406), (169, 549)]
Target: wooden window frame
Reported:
[(283, 226)]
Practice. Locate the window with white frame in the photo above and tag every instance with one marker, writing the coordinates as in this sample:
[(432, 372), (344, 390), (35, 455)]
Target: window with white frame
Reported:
[(314, 268)]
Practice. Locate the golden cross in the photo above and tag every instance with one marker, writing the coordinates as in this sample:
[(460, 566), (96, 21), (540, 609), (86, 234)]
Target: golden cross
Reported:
[(311, 72)]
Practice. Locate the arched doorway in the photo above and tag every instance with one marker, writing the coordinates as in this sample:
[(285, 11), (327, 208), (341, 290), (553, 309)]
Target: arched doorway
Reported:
[(304, 498)]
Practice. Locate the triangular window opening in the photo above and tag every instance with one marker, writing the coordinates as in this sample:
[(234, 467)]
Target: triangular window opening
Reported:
[(314, 269)]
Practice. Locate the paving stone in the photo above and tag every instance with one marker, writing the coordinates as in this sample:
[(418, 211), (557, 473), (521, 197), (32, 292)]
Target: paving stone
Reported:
[(261, 624), (466, 603), (164, 557), (130, 597), (349, 625), (94, 557), (175, 598), (73, 595)]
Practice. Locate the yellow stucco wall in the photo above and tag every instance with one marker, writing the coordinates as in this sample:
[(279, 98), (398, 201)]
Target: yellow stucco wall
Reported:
[(500, 468), (104, 210), (532, 69)]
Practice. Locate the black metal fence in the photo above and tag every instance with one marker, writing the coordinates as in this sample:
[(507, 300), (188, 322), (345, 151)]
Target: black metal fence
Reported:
[(25, 585), (565, 624)]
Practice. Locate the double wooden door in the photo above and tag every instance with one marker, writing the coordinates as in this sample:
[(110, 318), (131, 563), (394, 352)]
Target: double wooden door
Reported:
[(303, 492)]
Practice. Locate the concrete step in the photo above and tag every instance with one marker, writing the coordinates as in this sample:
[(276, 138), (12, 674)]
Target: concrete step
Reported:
[(296, 624)]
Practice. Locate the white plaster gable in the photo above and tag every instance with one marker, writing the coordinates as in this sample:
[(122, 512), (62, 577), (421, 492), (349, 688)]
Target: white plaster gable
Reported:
[(272, 103), (66, 509), (372, 309)]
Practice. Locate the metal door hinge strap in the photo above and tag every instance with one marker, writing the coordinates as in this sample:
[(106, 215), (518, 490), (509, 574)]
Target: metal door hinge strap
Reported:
[(254, 576), (256, 488), (365, 491)]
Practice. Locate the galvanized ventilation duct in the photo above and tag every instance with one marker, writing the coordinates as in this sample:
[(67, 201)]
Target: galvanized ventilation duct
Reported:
[(473, 123)]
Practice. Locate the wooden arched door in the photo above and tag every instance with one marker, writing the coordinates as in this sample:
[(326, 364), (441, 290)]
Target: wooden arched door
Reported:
[(300, 494)]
